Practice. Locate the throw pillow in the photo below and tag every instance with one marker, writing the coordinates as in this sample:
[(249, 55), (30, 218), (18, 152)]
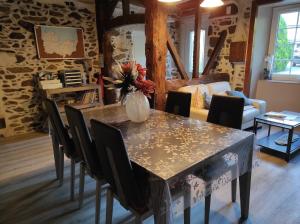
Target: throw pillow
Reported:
[(241, 95), (207, 100), (198, 103)]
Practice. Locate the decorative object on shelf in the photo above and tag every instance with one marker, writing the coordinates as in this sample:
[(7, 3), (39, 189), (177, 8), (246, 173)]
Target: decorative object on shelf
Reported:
[(134, 88), (59, 42), (70, 78), (237, 52), (283, 139), (268, 67), (47, 80)]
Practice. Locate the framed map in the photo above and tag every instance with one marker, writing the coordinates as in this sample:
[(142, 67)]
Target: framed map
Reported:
[(59, 42)]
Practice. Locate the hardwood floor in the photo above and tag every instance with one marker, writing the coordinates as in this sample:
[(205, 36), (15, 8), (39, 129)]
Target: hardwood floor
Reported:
[(29, 192)]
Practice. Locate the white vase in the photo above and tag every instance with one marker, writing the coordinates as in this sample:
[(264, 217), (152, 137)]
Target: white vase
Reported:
[(137, 107)]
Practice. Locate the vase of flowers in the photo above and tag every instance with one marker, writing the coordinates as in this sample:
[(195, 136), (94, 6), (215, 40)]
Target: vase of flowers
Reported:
[(134, 89)]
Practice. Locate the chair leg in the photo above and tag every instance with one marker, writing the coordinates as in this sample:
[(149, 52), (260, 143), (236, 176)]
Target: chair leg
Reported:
[(187, 207), (109, 206), (81, 184), (61, 166), (72, 179), (98, 201), (207, 209), (233, 190)]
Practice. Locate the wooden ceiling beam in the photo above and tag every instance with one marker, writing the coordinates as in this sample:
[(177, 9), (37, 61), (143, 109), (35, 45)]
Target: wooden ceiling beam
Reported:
[(126, 20)]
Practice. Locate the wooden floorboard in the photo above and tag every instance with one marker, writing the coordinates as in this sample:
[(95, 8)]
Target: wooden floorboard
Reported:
[(29, 192)]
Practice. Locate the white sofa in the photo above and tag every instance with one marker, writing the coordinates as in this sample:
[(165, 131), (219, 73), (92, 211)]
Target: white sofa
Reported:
[(198, 110)]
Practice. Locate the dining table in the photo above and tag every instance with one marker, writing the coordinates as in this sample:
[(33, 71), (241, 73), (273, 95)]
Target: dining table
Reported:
[(173, 149)]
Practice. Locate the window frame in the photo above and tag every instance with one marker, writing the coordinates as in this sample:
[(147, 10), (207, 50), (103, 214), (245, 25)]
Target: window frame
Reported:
[(273, 37), (190, 48)]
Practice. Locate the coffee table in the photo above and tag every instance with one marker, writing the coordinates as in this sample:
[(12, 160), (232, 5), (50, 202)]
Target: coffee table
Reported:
[(288, 125)]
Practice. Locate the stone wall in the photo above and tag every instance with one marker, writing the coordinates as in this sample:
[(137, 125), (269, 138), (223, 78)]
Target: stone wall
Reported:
[(121, 41), (19, 61), (173, 27), (236, 26)]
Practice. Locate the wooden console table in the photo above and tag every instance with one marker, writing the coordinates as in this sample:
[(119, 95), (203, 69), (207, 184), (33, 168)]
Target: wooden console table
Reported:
[(49, 93)]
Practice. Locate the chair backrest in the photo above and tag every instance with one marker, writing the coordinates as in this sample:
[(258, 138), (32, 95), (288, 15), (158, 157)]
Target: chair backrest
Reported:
[(116, 164), (226, 111), (59, 128), (81, 137), (179, 103)]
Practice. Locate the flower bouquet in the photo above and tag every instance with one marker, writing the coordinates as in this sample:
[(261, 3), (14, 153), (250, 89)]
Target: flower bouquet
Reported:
[(131, 77), (131, 80)]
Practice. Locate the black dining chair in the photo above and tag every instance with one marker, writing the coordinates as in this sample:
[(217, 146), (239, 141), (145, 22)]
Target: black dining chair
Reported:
[(91, 163), (66, 144), (128, 183), (225, 111), (178, 103)]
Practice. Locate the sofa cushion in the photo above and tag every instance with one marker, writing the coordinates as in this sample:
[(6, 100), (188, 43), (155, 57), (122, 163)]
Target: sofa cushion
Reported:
[(241, 95), (218, 87), (200, 114), (249, 114), (197, 99), (207, 100)]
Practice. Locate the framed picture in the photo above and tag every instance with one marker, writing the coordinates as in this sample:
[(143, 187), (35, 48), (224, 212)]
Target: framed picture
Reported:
[(59, 42)]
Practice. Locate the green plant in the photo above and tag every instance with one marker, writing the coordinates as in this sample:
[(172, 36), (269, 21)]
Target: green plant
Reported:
[(284, 50)]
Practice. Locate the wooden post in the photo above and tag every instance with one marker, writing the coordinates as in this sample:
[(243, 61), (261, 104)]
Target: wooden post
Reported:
[(247, 80), (126, 7), (156, 49), (100, 22), (110, 95), (197, 31)]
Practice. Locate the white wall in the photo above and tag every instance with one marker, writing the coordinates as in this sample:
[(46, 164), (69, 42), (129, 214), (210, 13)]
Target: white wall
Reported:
[(138, 48), (279, 95), (260, 45)]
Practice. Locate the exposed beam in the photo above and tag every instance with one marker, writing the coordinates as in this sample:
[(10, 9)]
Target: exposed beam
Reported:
[(126, 20), (215, 53), (110, 96), (156, 49), (197, 30), (247, 80), (100, 22), (111, 8), (126, 7), (176, 58)]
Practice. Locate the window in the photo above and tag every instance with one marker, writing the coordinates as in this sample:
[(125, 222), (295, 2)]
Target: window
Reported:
[(285, 43), (191, 50)]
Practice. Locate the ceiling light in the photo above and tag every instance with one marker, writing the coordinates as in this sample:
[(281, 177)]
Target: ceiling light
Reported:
[(211, 3), (169, 1)]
